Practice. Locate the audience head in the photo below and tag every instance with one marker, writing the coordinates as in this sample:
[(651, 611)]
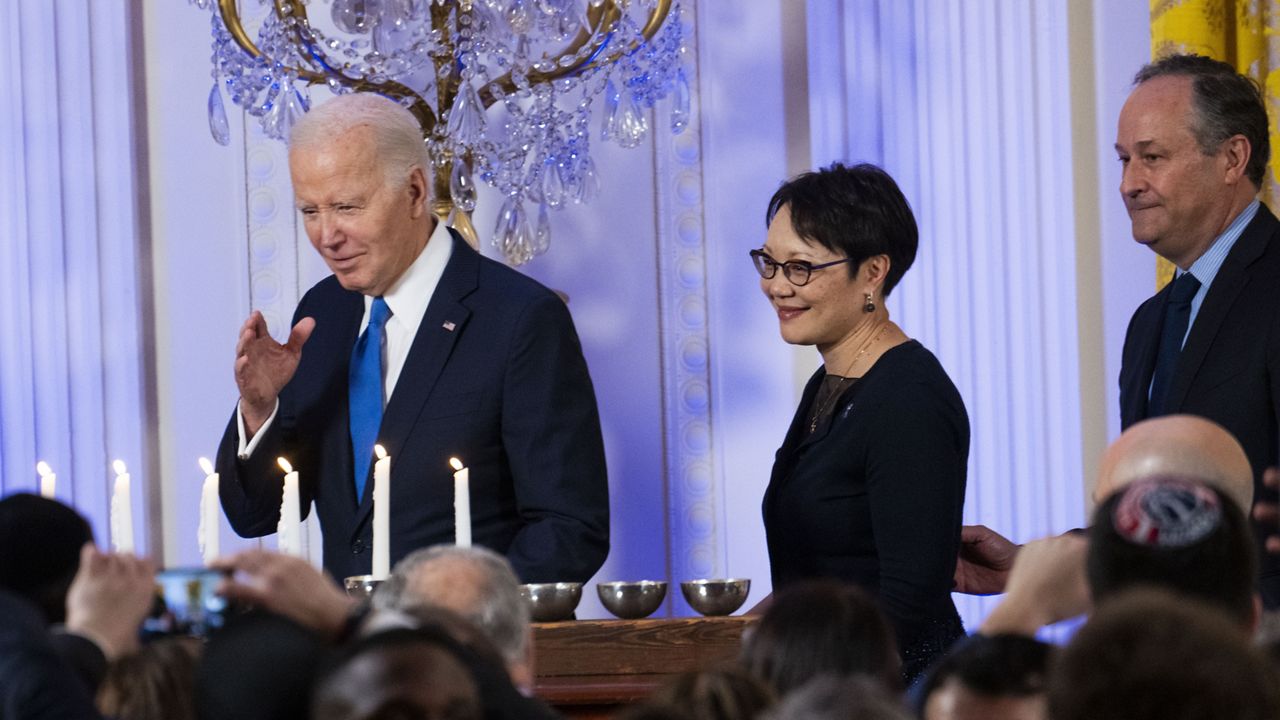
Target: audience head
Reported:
[(259, 666), (1177, 445), (402, 673), (43, 578), (856, 212), (155, 683), (817, 628), (1150, 655), (499, 695), (1181, 535), (999, 677), (474, 582), (830, 697), (723, 693)]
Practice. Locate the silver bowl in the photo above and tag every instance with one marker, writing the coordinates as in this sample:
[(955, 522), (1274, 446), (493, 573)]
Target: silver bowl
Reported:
[(551, 602), (716, 597), (361, 587), (632, 600)]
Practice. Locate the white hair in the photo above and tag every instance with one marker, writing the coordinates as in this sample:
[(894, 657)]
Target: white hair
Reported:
[(500, 613), (396, 132)]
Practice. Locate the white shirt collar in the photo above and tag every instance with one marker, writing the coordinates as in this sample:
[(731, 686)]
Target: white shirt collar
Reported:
[(409, 295)]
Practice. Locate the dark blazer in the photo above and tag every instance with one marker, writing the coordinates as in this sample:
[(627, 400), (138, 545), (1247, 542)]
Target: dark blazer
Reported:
[(1229, 369), (36, 682), (495, 377), (875, 497)]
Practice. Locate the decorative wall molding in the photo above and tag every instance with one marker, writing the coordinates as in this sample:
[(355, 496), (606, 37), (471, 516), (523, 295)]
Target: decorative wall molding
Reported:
[(695, 519)]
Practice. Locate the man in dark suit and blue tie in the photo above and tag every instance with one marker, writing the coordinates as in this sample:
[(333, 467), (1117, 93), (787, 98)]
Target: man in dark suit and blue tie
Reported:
[(1193, 141), (420, 344)]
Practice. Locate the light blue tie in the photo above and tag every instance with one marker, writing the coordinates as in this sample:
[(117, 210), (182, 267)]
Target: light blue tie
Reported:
[(364, 391)]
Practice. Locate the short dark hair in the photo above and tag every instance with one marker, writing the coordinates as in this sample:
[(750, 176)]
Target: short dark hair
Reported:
[(30, 521), (1207, 552), (1226, 104), (996, 666), (1149, 655), (821, 627), (857, 212)]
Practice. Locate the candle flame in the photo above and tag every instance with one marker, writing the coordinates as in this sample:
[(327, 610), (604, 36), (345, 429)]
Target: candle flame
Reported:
[(206, 466), (456, 463), (119, 467), (284, 465), (43, 469), (379, 451)]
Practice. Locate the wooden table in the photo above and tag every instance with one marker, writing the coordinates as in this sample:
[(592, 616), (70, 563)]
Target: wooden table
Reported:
[(591, 668)]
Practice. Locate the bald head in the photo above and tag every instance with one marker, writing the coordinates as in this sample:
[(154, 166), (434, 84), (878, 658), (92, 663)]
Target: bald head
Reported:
[(1177, 446)]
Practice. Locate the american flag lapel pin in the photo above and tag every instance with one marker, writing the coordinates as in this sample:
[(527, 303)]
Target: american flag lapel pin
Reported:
[(448, 325)]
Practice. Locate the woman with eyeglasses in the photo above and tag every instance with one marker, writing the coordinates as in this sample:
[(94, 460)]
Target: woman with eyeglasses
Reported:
[(868, 486)]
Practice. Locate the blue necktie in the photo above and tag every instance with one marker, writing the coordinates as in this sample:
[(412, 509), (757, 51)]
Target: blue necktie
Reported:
[(364, 391), (1177, 314)]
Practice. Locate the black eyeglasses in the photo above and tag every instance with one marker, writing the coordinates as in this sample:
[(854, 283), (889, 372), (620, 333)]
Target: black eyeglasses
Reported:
[(798, 272)]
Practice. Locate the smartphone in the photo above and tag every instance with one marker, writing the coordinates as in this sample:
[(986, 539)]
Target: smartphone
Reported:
[(186, 603)]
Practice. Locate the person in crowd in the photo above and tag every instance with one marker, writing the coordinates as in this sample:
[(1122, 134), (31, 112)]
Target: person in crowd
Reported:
[(1152, 655), (48, 672), (260, 666), (1193, 142), (727, 692), (1184, 536), (422, 672), (989, 677), (43, 578), (1171, 445), (821, 627), (868, 486), (420, 344), (156, 682), (1179, 535), (476, 583), (831, 697)]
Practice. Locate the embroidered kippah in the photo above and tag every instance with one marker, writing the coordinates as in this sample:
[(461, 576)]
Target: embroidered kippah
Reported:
[(1166, 513)]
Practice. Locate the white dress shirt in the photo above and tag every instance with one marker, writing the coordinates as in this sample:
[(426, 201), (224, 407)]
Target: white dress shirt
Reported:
[(407, 299)]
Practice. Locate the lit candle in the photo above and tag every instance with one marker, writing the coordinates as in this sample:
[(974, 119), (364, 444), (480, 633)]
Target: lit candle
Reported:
[(207, 533), (48, 481), (121, 511), (461, 503), (289, 530), (381, 514)]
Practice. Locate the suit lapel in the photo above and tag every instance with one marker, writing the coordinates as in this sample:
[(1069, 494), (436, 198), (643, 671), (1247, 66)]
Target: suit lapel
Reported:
[(1146, 344), (1226, 287), (442, 324)]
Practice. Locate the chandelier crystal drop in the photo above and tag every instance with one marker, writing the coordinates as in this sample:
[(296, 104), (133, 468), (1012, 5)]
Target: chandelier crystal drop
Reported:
[(503, 89)]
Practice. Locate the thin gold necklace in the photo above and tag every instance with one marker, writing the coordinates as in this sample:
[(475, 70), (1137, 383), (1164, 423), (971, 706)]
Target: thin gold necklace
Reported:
[(835, 393)]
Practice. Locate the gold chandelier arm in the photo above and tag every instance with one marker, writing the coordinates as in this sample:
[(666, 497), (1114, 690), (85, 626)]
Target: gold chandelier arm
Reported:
[(600, 17), (231, 19)]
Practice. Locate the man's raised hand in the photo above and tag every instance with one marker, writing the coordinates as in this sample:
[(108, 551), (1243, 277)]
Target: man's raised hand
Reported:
[(264, 366)]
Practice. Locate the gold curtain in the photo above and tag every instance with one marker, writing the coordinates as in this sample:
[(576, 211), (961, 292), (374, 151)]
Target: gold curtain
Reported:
[(1241, 32)]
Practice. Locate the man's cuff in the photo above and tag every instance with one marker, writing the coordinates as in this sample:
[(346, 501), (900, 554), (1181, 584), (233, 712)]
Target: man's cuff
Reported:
[(246, 448)]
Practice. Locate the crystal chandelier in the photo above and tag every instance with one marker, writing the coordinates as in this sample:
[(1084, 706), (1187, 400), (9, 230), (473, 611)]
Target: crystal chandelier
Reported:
[(503, 89)]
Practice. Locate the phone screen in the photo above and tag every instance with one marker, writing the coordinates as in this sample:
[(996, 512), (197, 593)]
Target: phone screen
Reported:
[(186, 603)]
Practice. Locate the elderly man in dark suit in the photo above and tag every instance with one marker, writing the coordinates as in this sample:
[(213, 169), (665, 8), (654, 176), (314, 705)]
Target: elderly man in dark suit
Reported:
[(1193, 142), (418, 342)]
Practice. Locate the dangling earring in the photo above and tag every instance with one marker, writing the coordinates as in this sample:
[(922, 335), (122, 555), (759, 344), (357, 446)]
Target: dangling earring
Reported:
[(870, 305)]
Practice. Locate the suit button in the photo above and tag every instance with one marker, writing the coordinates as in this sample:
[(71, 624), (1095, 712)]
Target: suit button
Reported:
[(357, 547)]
